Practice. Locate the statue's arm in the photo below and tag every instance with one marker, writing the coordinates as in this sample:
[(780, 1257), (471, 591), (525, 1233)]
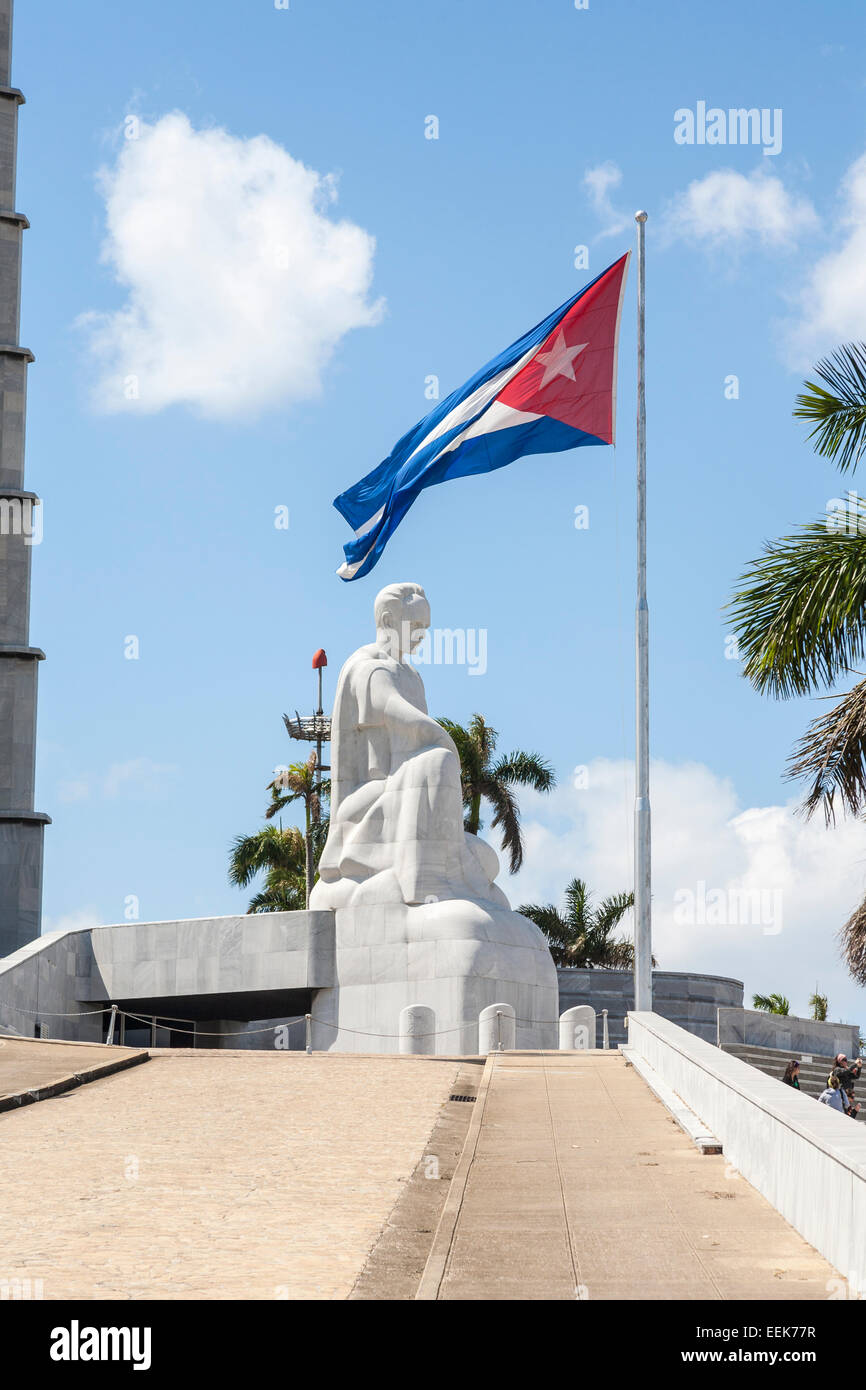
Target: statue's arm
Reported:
[(405, 720)]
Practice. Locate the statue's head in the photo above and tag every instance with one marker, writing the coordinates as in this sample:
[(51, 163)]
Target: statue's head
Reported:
[(402, 618)]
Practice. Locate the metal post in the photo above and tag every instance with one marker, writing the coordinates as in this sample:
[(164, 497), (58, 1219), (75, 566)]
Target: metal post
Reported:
[(605, 1039), (309, 1031), (642, 870), (111, 1022), (498, 1030), (319, 714)]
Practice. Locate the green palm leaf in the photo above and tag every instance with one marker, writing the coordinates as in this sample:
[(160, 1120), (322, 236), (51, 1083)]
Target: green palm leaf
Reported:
[(852, 938), (555, 926), (527, 769), (578, 905), (506, 817), (613, 909), (581, 936), (485, 781), (839, 413), (771, 1003), (832, 756), (800, 619)]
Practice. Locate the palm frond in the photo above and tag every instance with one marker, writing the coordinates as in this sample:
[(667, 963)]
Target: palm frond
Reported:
[(482, 780), (484, 736), (278, 802), (771, 1003), (618, 955), (612, 910), (581, 937), (506, 818), (800, 617), (528, 769), (279, 895), (578, 900), (852, 937), (555, 927), (838, 408), (832, 756), (270, 848)]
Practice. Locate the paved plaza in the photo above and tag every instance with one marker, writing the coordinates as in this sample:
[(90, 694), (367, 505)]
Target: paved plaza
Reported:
[(253, 1175)]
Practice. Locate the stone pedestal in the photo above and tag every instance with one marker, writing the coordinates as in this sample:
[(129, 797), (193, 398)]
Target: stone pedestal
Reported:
[(453, 958)]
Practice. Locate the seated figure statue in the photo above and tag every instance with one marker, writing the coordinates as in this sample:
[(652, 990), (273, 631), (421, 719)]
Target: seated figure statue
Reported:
[(419, 919)]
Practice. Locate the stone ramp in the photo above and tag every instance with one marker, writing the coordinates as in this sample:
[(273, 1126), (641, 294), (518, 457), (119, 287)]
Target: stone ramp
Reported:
[(216, 1175), (575, 1182), (35, 1069)]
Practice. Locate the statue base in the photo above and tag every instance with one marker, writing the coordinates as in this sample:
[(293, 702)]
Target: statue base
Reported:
[(445, 961)]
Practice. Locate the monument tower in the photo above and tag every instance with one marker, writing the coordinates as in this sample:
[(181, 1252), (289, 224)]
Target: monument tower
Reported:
[(21, 828)]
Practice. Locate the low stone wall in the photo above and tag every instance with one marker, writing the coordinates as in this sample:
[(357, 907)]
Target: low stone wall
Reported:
[(44, 983), (213, 955), (63, 981), (690, 1000), (786, 1033), (807, 1160)]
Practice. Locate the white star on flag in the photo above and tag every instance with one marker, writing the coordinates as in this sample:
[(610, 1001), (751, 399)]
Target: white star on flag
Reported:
[(559, 361)]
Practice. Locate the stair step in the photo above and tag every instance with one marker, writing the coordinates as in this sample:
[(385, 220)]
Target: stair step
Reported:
[(770, 1061)]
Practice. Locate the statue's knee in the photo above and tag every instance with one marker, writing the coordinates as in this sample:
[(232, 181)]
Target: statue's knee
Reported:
[(442, 765)]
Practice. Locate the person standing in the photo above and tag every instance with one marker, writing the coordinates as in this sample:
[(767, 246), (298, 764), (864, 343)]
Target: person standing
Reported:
[(792, 1075), (848, 1074)]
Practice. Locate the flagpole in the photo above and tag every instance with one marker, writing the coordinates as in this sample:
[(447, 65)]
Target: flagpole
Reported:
[(642, 871)]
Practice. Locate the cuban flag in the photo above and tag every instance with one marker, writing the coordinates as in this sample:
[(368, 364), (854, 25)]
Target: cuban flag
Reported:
[(555, 388)]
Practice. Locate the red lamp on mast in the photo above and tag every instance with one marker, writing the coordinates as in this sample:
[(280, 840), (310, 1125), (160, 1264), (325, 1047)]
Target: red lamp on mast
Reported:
[(320, 661)]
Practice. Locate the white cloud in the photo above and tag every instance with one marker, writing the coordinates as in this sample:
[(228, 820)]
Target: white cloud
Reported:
[(727, 207), (76, 790), (599, 182), (833, 301), (137, 778), (81, 920), (702, 835), (239, 285)]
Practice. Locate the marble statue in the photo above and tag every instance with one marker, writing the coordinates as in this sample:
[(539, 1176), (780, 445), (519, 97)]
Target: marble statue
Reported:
[(420, 922), (396, 804)]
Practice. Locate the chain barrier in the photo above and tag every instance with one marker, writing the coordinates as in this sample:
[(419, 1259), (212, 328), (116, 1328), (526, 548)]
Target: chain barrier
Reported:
[(151, 1021)]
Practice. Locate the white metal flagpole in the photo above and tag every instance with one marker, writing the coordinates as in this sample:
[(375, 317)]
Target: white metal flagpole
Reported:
[(643, 994)]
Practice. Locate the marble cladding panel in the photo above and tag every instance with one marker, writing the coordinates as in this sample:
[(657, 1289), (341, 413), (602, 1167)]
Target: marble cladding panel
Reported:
[(8, 150), (266, 951), (13, 393), (10, 280)]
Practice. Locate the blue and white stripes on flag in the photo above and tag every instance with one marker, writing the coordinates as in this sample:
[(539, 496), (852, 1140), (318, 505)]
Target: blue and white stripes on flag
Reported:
[(553, 389)]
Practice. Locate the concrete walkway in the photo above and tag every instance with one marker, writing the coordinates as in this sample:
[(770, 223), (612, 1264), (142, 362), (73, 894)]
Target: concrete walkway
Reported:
[(576, 1183)]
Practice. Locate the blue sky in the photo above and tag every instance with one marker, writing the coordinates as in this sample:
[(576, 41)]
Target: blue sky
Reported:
[(159, 522)]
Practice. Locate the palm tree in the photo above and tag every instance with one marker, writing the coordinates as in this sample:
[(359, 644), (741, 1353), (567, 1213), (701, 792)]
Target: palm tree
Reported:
[(771, 1003), (298, 782), (581, 935), (800, 617), (819, 1006), (280, 854), (486, 780)]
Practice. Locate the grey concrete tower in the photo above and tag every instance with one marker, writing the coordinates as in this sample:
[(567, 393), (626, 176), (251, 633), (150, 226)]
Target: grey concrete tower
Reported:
[(21, 827)]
